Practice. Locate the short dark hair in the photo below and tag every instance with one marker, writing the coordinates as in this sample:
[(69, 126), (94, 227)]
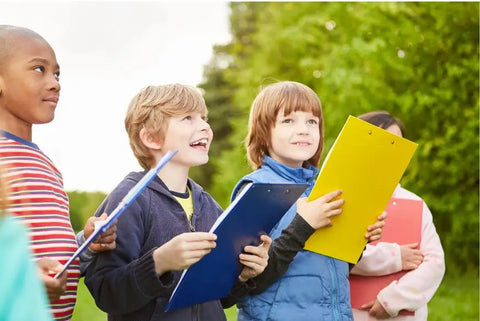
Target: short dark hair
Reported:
[(7, 33), (382, 119)]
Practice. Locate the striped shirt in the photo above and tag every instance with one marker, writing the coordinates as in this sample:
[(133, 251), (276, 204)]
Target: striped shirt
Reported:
[(37, 196)]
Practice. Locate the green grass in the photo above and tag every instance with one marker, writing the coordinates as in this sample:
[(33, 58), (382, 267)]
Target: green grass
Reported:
[(86, 309), (456, 299)]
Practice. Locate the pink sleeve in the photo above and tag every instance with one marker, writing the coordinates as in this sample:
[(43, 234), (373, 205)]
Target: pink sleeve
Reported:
[(418, 286), (381, 259)]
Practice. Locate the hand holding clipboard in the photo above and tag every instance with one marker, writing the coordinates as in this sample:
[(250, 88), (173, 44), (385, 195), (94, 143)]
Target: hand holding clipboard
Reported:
[(124, 203)]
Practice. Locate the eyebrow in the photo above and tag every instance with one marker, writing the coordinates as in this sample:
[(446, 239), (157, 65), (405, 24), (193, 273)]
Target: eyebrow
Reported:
[(43, 61)]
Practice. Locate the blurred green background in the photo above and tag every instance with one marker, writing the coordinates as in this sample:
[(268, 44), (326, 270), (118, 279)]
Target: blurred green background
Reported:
[(420, 61)]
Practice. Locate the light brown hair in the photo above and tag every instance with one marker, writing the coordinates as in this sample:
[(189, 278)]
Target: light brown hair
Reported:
[(151, 109), (290, 96)]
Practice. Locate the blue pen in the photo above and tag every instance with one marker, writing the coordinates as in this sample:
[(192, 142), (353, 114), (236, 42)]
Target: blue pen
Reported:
[(124, 203)]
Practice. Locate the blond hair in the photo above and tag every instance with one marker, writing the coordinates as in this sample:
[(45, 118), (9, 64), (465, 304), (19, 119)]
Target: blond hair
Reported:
[(287, 95), (151, 109)]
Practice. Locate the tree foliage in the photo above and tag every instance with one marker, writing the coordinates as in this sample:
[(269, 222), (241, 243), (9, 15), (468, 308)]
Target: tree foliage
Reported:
[(82, 206), (420, 61)]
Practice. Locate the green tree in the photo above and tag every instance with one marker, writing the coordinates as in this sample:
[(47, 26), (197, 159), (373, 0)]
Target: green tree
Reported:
[(420, 61), (82, 206)]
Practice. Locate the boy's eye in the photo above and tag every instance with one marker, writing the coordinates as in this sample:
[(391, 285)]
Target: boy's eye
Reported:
[(57, 75), (287, 121), (40, 69), (312, 122), (187, 117)]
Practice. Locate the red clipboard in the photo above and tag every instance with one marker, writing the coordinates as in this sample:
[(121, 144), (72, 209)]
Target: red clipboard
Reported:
[(403, 226)]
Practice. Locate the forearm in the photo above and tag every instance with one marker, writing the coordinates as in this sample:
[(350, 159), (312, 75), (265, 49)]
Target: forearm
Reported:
[(87, 256), (381, 259), (129, 287), (238, 292), (425, 279), (282, 252)]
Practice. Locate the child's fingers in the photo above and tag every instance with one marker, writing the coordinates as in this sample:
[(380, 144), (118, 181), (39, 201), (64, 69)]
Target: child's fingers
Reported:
[(256, 266), (253, 261), (255, 250), (382, 216), (261, 249), (199, 246), (367, 305), (198, 236), (112, 230), (411, 245), (336, 204), (330, 196), (335, 212), (196, 254), (266, 240), (377, 225), (48, 265), (374, 235)]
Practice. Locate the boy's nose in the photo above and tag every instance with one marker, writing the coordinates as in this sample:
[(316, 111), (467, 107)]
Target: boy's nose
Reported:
[(205, 125), (54, 84)]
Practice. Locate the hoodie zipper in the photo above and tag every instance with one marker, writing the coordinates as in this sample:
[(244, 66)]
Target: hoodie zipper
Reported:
[(195, 315), (190, 223), (195, 307)]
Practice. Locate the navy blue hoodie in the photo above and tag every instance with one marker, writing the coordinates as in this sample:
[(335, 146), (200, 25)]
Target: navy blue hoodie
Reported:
[(123, 281)]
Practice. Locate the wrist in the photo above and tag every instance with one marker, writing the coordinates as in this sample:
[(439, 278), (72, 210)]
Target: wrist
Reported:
[(159, 270)]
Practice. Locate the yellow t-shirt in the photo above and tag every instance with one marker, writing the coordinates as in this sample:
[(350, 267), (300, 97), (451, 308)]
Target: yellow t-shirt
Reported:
[(186, 202)]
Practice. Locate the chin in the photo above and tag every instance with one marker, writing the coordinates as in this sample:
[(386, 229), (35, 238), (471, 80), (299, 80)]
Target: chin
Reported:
[(203, 161), (44, 120), (46, 117)]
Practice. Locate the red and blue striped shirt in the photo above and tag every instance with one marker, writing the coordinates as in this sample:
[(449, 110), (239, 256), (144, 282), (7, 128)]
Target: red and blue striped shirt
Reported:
[(37, 196)]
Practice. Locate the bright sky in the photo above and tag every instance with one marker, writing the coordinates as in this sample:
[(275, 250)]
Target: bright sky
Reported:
[(107, 52)]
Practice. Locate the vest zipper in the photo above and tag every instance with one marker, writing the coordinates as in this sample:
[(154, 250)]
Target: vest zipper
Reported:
[(333, 275)]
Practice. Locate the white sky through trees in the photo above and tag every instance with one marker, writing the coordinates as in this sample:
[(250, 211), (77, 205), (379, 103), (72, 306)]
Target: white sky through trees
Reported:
[(107, 52)]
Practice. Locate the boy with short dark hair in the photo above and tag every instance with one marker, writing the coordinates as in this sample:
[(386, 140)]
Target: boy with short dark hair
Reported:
[(165, 230), (29, 92)]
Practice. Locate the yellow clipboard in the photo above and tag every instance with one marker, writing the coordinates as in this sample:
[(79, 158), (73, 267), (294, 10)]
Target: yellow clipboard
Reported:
[(366, 162)]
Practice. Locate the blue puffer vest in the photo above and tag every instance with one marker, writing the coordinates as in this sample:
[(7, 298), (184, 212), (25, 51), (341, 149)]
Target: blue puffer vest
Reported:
[(315, 287)]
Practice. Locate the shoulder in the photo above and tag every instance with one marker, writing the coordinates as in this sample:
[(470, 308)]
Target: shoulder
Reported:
[(121, 190), (201, 195), (241, 183), (401, 192), (126, 184)]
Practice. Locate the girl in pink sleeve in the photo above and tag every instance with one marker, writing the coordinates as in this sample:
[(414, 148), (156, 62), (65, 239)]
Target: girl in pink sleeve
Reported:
[(425, 265)]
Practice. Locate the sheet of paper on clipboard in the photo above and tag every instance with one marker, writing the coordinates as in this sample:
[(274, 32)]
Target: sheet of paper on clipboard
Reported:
[(366, 162)]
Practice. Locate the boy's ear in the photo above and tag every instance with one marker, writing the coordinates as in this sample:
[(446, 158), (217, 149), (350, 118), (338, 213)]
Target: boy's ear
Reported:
[(149, 140)]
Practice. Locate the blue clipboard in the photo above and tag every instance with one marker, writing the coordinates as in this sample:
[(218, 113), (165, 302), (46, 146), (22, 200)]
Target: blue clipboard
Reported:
[(121, 207), (255, 211)]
